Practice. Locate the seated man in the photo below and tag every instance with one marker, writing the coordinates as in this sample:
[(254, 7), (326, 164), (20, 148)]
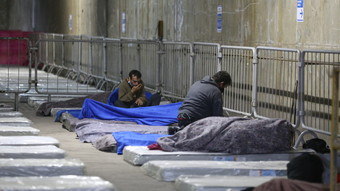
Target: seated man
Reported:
[(131, 92), (204, 99)]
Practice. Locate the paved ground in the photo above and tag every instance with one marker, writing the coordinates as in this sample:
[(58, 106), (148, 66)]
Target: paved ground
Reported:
[(108, 166)]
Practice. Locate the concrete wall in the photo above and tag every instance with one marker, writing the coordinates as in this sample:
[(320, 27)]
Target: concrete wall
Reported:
[(55, 16), (4, 14), (19, 15), (244, 22)]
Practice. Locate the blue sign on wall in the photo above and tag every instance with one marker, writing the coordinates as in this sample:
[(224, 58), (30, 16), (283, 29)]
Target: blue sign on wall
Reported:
[(299, 4), (219, 19), (299, 11)]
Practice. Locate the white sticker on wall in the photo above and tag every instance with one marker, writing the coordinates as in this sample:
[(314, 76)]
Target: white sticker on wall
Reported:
[(123, 22), (219, 19), (70, 22), (299, 11)]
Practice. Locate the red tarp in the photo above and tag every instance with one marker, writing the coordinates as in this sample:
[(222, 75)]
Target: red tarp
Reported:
[(14, 52)]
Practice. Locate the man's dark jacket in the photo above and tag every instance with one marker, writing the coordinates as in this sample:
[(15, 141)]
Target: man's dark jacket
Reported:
[(204, 99)]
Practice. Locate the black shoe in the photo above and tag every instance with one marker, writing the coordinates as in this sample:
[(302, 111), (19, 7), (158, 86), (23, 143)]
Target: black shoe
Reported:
[(173, 129)]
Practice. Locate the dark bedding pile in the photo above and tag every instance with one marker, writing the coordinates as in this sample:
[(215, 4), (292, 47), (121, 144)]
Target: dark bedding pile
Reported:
[(45, 108)]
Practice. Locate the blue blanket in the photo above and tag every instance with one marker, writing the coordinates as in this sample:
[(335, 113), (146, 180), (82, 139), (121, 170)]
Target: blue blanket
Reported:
[(110, 100), (127, 138), (154, 115)]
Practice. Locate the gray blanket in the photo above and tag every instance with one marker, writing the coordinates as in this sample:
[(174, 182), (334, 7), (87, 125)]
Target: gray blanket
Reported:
[(106, 143), (45, 108), (232, 135), (91, 131), (70, 123)]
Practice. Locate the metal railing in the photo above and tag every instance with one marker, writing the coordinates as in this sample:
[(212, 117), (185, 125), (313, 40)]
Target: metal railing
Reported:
[(239, 62), (268, 82), (15, 63), (276, 83), (334, 141), (316, 92), (176, 72)]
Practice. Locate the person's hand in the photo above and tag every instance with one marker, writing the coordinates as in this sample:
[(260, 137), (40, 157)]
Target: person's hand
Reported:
[(139, 102), (135, 89)]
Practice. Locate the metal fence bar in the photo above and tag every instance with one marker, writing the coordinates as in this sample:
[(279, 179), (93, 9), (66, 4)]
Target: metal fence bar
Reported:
[(113, 59), (148, 60), (206, 59), (238, 62), (334, 142), (130, 52), (317, 91), (176, 71), (72, 54), (276, 83), (15, 73)]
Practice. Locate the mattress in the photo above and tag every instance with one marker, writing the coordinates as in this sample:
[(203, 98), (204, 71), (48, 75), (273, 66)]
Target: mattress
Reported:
[(138, 155), (170, 170), (41, 167), (15, 121), (24, 152), (28, 141), (18, 131), (60, 183)]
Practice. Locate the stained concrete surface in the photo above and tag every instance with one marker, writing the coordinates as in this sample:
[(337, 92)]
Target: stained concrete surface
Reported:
[(108, 166)]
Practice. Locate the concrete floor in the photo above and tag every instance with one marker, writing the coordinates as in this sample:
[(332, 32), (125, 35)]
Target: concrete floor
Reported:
[(108, 166)]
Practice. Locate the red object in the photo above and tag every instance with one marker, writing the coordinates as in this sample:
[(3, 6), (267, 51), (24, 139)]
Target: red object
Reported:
[(338, 178), (14, 51), (155, 146)]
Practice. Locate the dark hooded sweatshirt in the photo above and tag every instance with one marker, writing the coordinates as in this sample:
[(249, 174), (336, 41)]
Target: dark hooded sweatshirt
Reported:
[(204, 99)]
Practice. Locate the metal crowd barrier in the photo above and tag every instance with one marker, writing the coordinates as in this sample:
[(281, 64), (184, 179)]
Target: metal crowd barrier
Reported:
[(334, 141), (206, 59), (239, 62), (70, 58), (276, 83), (113, 64), (316, 94), (267, 82), (15, 66), (177, 69)]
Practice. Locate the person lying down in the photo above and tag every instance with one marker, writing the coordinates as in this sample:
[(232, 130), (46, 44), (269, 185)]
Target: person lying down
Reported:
[(233, 135)]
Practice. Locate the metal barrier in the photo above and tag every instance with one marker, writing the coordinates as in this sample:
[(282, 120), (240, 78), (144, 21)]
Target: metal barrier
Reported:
[(15, 67), (130, 57), (70, 56), (206, 60), (42, 51), (267, 82), (177, 68), (113, 64), (142, 56), (149, 63), (239, 62), (316, 94), (276, 83), (334, 142)]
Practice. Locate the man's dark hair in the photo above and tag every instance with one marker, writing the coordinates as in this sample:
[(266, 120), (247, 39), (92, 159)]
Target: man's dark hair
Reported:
[(135, 73), (222, 76), (306, 167)]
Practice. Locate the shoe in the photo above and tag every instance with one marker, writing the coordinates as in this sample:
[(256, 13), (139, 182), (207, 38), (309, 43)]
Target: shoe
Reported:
[(173, 129)]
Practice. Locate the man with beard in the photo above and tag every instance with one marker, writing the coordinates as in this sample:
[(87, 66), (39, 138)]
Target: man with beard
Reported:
[(204, 99), (131, 93)]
